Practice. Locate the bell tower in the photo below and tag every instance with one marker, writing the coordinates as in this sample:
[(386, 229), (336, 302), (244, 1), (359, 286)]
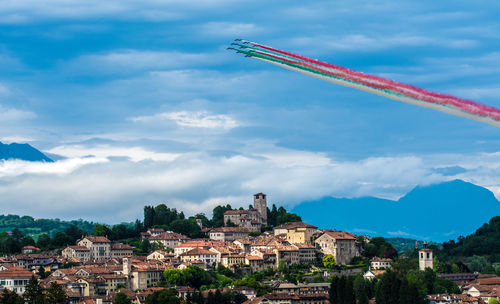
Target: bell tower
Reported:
[(425, 258), (260, 203)]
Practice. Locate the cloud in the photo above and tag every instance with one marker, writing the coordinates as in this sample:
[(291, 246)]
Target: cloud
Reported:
[(371, 43), (116, 189), (229, 29), (25, 11), (11, 114), (192, 119), (132, 61), (135, 154)]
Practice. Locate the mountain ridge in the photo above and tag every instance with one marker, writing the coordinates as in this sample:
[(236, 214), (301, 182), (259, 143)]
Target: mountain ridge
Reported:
[(437, 212), (22, 152)]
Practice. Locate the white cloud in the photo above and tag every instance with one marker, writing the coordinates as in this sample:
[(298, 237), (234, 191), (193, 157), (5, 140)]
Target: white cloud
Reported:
[(11, 114), (363, 42), (192, 119), (135, 154), (16, 167), (230, 29), (195, 182), (23, 11), (128, 61)]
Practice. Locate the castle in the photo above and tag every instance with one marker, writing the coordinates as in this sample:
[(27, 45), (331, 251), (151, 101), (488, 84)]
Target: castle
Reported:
[(252, 218)]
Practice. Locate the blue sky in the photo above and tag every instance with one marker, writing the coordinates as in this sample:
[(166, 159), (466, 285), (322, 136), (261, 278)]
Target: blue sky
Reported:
[(141, 103)]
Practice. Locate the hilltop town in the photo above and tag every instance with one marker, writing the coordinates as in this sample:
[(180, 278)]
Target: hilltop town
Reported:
[(254, 255)]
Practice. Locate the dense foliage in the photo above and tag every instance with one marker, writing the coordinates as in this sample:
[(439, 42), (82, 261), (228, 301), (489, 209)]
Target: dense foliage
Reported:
[(485, 241), (169, 219), (28, 225), (379, 247)]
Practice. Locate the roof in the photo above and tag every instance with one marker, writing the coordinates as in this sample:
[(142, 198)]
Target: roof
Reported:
[(198, 251), (16, 272), (293, 225), (231, 229), (97, 239), (79, 248), (31, 247), (377, 259), (169, 236), (120, 246), (235, 212), (340, 235)]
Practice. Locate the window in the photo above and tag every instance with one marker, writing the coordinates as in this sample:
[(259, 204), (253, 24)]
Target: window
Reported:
[(428, 255)]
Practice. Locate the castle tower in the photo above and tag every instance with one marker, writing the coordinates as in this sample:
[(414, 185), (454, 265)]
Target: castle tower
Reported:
[(260, 203), (425, 258)]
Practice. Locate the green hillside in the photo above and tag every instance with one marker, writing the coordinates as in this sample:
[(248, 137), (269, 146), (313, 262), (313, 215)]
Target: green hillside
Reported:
[(34, 227)]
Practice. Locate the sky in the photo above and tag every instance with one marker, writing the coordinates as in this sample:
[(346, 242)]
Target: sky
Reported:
[(139, 102)]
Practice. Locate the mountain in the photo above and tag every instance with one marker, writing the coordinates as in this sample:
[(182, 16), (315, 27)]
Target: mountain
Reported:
[(438, 212), (22, 152)]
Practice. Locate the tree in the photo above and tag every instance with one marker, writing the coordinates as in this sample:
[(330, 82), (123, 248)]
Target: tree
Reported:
[(174, 277), (493, 301), (43, 241), (41, 272), (165, 296), (196, 277), (55, 294), (122, 298), (218, 215), (10, 297), (33, 293), (329, 261)]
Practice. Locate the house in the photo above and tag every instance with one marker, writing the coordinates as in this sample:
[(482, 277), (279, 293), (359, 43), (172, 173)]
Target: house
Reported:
[(342, 245), (453, 298), (169, 239), (100, 246), (296, 232), (379, 263), (370, 274), (140, 274), (288, 254), (80, 252), (256, 263), (159, 255), (307, 253), (15, 279), (252, 218), (29, 249), (228, 234), (119, 251), (199, 254)]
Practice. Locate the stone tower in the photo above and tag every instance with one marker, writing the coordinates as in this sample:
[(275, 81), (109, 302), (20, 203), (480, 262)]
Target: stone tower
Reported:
[(425, 258), (260, 203)]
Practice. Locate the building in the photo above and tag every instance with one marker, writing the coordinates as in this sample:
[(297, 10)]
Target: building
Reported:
[(199, 254), (15, 279), (342, 245), (169, 239), (260, 203), (252, 218), (100, 246), (120, 251), (80, 252), (425, 258), (296, 232), (29, 249), (378, 263), (228, 234)]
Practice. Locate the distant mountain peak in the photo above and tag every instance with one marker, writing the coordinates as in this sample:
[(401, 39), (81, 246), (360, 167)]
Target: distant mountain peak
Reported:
[(22, 152), (437, 212)]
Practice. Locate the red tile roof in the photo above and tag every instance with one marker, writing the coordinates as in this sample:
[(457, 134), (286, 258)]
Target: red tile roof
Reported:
[(16, 272)]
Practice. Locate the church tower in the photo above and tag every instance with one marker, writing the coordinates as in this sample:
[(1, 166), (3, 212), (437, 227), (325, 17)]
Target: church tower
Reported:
[(425, 258), (260, 203)]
